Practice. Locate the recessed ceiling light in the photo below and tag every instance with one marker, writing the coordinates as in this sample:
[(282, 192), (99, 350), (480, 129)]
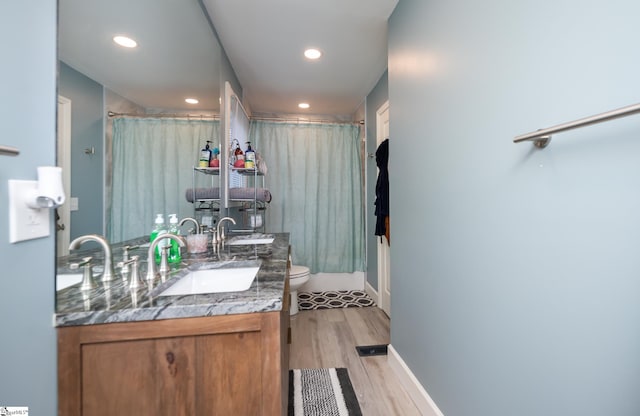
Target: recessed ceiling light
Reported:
[(191, 100), (312, 53), (125, 41), (304, 105)]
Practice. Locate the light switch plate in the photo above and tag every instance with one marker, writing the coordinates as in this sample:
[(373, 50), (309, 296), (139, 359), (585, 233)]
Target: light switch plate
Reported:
[(73, 204), (25, 223)]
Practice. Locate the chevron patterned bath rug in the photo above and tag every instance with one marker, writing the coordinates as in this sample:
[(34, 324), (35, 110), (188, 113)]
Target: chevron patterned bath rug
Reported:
[(334, 299), (322, 392)]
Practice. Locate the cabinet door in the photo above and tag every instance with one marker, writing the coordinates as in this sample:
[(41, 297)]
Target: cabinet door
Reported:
[(229, 374), (146, 377)]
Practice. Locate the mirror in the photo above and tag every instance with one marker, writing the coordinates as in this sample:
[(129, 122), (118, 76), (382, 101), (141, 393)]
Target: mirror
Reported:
[(237, 136), (177, 56)]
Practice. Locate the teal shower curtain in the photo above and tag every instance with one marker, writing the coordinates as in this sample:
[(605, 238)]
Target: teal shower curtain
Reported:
[(315, 177), (152, 167)]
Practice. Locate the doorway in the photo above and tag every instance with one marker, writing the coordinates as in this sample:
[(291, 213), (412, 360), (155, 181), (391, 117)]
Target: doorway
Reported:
[(384, 268), (63, 223)]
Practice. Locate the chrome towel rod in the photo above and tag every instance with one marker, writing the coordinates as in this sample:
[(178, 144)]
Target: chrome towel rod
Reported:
[(9, 151), (541, 138)]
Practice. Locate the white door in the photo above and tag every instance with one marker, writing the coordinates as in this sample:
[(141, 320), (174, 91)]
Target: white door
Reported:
[(384, 268), (64, 161)]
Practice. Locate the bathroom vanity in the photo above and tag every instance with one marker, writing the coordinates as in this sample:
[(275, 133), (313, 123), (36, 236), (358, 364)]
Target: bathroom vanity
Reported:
[(136, 352)]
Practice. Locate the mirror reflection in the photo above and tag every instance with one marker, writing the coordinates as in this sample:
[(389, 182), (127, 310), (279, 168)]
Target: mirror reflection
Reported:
[(177, 57)]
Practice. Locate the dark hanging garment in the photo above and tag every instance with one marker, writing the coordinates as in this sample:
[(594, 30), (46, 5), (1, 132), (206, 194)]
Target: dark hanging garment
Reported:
[(382, 190)]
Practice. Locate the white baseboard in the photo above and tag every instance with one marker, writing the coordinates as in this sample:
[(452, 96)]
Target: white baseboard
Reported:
[(321, 282), (373, 294), (418, 394)]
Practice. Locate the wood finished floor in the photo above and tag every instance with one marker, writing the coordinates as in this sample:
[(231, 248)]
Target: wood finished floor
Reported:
[(328, 337)]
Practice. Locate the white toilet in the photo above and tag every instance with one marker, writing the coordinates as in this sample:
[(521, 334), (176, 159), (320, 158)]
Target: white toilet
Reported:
[(298, 276)]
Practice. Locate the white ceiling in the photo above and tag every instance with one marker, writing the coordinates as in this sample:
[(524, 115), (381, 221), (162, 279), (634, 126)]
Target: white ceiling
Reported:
[(265, 41), (178, 55)]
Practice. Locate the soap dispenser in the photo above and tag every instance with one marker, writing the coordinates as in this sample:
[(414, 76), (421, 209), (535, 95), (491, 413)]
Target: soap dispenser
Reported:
[(174, 251), (159, 228)]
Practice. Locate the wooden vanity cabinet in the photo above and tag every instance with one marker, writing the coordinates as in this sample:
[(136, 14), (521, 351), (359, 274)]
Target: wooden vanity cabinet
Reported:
[(219, 365)]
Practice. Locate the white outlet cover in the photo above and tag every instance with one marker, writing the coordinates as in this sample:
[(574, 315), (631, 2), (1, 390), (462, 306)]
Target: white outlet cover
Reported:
[(26, 223)]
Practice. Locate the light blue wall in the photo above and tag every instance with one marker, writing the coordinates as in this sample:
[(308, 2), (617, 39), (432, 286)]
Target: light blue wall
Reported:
[(87, 131), (226, 70), (515, 271), (228, 74), (27, 116), (378, 96)]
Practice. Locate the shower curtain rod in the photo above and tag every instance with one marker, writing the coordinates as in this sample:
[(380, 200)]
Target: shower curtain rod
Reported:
[(161, 115), (303, 121), (252, 118)]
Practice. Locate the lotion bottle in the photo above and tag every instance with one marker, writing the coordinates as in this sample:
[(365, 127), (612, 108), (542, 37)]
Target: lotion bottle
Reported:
[(205, 156), (249, 157)]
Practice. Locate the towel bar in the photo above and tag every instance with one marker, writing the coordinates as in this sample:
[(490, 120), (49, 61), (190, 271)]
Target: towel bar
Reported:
[(542, 137), (9, 151)]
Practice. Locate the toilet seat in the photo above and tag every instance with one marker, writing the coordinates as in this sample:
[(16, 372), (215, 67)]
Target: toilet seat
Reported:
[(298, 271)]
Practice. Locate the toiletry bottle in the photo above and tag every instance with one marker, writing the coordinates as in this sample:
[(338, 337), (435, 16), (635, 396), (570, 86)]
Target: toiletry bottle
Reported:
[(205, 156), (215, 162), (249, 157), (238, 157), (174, 252), (238, 153), (158, 229), (232, 155)]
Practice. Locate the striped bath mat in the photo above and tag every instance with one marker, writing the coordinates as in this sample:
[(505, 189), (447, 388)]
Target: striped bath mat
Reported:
[(322, 392)]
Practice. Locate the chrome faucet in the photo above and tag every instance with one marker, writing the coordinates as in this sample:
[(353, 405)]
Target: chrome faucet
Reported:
[(108, 274), (221, 235), (151, 261), (184, 220)]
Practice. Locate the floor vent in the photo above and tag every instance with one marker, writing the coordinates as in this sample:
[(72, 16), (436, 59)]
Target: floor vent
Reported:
[(369, 350)]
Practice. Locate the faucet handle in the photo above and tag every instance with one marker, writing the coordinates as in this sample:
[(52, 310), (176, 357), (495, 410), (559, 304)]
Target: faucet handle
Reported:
[(87, 278), (164, 260), (135, 272), (75, 266), (124, 264), (125, 251)]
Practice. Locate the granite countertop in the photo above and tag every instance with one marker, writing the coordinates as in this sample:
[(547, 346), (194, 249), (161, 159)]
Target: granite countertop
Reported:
[(115, 302)]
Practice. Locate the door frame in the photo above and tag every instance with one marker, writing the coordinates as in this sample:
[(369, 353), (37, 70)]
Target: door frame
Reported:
[(64, 161), (383, 247)]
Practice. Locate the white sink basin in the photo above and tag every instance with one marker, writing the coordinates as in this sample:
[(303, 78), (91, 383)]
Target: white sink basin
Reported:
[(251, 239), (63, 281), (217, 280)]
